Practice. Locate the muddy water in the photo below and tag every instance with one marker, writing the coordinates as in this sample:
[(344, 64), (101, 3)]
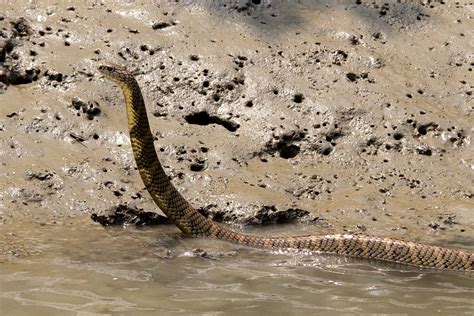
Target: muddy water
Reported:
[(81, 271)]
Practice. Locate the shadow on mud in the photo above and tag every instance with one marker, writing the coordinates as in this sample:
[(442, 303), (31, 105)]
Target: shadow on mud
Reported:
[(277, 16)]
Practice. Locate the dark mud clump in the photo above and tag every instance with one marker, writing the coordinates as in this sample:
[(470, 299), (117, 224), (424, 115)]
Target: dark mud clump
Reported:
[(267, 214), (17, 60), (123, 214), (91, 109), (285, 144), (271, 215)]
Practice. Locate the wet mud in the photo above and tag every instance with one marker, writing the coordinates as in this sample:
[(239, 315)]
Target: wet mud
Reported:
[(348, 116), (272, 117)]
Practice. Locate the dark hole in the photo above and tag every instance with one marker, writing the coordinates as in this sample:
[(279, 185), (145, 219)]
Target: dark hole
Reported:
[(397, 136), (298, 98), (289, 151), (203, 118), (325, 151), (196, 167), (352, 76)]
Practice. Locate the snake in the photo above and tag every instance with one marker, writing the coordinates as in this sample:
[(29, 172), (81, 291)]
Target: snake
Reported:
[(192, 223)]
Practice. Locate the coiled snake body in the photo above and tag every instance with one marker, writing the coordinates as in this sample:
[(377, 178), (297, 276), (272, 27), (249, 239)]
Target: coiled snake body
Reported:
[(192, 223)]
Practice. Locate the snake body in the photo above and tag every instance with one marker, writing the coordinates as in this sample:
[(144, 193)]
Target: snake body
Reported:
[(192, 223)]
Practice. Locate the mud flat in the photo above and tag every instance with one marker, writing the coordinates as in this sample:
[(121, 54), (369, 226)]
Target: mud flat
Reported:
[(352, 116), (332, 116)]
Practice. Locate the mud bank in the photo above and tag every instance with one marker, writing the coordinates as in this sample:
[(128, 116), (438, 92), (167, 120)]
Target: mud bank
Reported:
[(349, 116)]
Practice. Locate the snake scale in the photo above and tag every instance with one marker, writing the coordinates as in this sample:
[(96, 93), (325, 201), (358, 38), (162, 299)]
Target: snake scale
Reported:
[(192, 223)]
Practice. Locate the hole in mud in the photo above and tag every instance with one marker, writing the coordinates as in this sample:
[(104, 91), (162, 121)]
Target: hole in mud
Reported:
[(196, 167), (425, 128), (203, 118), (398, 136), (288, 151), (298, 98)]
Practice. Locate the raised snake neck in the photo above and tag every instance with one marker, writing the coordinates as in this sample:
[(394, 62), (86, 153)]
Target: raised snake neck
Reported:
[(192, 223)]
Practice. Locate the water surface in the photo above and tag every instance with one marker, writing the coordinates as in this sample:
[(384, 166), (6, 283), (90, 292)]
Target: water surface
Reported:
[(90, 270)]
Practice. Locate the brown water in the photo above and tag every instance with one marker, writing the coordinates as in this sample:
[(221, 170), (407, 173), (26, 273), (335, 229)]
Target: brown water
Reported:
[(88, 270)]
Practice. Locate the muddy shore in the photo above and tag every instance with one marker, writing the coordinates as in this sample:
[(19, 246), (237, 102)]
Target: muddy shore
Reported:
[(348, 116)]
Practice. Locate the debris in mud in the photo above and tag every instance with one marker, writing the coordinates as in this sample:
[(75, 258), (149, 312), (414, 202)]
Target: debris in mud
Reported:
[(123, 214), (436, 226), (40, 175), (16, 59), (19, 74), (267, 214), (6, 46), (284, 144), (218, 215), (21, 27), (428, 127), (270, 215), (424, 150), (91, 108), (450, 219), (54, 75)]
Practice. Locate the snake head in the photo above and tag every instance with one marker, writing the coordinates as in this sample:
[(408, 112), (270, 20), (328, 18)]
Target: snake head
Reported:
[(114, 72)]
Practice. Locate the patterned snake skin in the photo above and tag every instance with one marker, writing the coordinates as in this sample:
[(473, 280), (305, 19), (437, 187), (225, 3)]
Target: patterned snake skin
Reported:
[(192, 223)]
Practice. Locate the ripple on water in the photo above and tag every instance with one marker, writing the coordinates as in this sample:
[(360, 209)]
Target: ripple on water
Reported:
[(110, 271)]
